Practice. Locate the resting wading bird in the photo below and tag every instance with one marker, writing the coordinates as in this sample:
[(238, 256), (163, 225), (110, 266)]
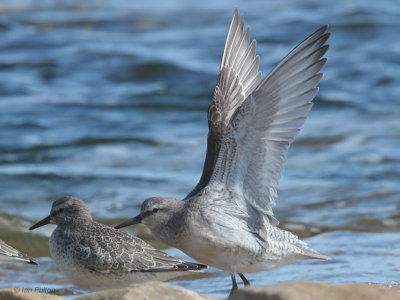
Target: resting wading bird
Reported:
[(96, 257)]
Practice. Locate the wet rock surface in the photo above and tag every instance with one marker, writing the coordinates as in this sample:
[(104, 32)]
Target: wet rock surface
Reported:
[(25, 294), (318, 291), (300, 290), (148, 290)]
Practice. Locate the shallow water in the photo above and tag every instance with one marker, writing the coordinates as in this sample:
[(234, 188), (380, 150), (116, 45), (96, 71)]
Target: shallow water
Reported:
[(107, 101)]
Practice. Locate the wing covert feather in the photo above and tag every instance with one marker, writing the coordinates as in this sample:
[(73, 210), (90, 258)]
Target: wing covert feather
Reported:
[(111, 251), (257, 139), (238, 77)]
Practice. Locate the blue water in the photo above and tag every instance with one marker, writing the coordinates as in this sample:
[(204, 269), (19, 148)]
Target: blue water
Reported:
[(107, 101)]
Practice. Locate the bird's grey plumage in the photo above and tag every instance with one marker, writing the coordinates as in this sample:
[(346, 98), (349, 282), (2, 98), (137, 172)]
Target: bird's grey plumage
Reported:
[(238, 77), (10, 254), (95, 256), (257, 139), (227, 221)]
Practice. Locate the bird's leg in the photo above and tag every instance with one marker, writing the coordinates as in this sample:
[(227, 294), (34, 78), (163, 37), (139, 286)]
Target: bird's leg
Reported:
[(234, 284), (245, 281)]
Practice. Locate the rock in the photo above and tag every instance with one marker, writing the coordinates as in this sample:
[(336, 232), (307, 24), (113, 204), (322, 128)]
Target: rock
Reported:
[(318, 291), (286, 291), (25, 294), (146, 291)]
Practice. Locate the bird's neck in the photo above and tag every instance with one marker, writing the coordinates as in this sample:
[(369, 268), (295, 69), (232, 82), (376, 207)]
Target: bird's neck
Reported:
[(173, 230), (77, 222)]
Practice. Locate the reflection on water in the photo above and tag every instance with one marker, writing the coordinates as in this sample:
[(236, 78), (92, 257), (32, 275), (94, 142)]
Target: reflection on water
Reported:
[(107, 101)]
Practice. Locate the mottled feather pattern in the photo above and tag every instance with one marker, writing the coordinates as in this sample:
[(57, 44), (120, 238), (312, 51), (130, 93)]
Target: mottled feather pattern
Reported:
[(95, 256), (104, 249)]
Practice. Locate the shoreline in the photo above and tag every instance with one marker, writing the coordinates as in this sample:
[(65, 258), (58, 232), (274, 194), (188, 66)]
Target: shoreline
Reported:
[(296, 290)]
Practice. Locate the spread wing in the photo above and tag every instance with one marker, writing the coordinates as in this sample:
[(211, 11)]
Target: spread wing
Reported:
[(111, 251), (9, 253), (238, 77), (257, 139)]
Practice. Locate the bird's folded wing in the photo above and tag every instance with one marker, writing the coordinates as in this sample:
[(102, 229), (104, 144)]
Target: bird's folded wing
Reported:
[(238, 77), (257, 139), (118, 252), (11, 252)]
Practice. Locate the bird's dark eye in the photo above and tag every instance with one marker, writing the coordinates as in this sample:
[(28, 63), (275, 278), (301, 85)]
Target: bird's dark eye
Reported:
[(155, 210), (59, 210)]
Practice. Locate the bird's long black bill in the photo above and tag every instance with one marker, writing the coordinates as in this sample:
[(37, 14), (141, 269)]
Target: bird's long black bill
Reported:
[(43, 222), (135, 220)]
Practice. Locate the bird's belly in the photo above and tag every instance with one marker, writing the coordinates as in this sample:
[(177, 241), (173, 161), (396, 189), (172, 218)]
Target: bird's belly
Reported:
[(225, 252), (94, 281), (235, 251), (236, 258)]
